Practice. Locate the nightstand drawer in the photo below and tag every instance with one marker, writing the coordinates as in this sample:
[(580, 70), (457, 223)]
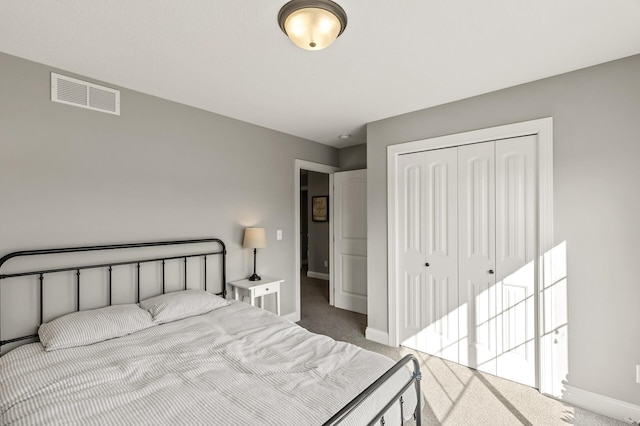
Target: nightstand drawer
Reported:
[(266, 289)]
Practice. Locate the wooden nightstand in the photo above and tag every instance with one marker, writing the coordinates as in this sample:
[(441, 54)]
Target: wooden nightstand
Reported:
[(254, 289)]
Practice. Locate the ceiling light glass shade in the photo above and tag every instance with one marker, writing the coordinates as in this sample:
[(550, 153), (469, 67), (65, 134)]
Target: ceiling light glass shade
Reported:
[(312, 25)]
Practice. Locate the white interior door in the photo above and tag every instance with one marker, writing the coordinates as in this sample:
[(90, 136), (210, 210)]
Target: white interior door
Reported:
[(350, 240), (476, 225), (516, 248), (428, 275)]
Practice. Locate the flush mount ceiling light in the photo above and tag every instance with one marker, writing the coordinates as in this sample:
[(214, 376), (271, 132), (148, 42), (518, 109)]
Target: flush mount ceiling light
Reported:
[(312, 24)]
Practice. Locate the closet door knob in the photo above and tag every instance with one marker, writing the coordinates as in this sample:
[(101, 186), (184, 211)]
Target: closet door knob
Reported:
[(426, 264), (491, 271)]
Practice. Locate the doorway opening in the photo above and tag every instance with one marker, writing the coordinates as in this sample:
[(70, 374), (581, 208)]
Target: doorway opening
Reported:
[(308, 166), (314, 240), (343, 208)]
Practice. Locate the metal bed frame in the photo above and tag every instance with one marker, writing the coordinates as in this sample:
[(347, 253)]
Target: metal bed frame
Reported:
[(416, 376), (221, 251), (109, 267)]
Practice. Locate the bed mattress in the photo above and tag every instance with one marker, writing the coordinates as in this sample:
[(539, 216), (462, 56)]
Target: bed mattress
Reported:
[(234, 365)]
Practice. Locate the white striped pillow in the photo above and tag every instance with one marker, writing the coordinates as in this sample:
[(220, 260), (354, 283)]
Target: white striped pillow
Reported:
[(93, 326), (181, 304)]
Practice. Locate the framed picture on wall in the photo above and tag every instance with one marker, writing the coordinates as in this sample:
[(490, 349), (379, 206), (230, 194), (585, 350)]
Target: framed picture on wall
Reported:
[(320, 209)]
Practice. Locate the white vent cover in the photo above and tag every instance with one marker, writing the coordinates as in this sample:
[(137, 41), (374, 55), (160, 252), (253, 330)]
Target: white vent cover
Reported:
[(83, 94)]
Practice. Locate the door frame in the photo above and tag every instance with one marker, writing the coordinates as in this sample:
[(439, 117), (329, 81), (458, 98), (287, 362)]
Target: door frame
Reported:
[(314, 167), (543, 129)]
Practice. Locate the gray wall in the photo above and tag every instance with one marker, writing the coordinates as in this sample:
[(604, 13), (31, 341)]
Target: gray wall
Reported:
[(353, 157), (318, 185), (161, 170), (596, 170)]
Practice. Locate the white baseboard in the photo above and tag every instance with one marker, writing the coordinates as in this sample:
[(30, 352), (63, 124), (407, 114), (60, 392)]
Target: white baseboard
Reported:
[(319, 275), (614, 408), (376, 335), (293, 317)]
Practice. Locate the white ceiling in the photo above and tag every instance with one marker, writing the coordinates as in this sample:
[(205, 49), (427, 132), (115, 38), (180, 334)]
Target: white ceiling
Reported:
[(230, 57)]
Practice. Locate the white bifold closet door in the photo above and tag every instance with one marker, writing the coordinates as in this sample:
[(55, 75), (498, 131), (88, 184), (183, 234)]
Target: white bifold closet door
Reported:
[(429, 252), (516, 251), (467, 255), (477, 259)]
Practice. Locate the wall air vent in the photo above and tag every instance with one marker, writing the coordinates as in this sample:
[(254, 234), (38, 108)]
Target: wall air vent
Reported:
[(83, 94)]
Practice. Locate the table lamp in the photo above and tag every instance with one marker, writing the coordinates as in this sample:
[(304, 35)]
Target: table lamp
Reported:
[(254, 238)]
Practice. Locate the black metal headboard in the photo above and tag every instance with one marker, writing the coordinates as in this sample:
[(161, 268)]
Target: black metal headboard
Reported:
[(219, 250)]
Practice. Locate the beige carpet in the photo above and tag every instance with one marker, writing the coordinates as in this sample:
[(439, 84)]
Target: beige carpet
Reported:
[(455, 394)]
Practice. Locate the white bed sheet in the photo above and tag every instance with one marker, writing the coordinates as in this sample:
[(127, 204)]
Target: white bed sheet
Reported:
[(235, 365)]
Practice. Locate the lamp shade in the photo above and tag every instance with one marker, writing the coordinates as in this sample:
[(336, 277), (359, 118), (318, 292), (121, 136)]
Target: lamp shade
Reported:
[(254, 238), (312, 24)]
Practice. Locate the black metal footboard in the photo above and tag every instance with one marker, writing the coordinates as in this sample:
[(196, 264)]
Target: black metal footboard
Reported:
[(379, 417)]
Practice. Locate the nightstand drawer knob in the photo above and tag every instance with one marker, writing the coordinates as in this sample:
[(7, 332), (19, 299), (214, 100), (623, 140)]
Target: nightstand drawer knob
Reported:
[(267, 289)]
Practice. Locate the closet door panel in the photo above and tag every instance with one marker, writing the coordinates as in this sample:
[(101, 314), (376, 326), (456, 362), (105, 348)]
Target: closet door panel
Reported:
[(476, 227), (516, 249), (412, 248), (441, 319), (428, 247)]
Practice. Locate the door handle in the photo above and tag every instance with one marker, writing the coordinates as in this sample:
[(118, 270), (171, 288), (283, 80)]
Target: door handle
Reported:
[(426, 264), (491, 271)]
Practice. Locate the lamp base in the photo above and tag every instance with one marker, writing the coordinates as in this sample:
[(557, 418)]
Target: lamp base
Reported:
[(255, 277)]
